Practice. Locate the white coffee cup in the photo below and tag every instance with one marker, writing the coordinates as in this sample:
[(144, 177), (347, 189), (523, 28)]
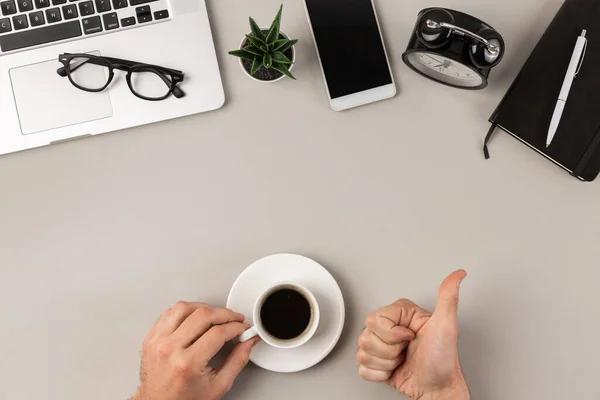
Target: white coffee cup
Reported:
[(259, 329)]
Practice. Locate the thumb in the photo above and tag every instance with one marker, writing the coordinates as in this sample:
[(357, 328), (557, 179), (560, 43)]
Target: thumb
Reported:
[(235, 363), (447, 302)]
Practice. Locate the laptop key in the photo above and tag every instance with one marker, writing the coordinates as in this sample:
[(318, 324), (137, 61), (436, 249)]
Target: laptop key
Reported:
[(20, 22), (37, 18), (162, 14), (86, 8), (92, 25), (119, 4), (128, 21), (42, 3), (102, 5), (70, 11), (8, 7), (5, 25), (111, 21), (138, 2), (25, 5), (34, 37), (53, 15), (58, 2), (144, 18), (143, 14)]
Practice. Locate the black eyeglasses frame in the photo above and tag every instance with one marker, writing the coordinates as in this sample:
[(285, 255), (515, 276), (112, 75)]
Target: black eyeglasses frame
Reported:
[(130, 67)]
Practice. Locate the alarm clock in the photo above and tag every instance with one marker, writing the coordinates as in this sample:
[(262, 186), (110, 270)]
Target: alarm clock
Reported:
[(454, 48)]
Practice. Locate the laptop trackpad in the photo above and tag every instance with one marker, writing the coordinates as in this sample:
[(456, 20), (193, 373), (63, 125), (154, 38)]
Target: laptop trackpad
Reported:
[(45, 100)]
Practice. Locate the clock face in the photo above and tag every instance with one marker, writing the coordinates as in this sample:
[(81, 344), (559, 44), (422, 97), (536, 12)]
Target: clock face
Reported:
[(444, 69)]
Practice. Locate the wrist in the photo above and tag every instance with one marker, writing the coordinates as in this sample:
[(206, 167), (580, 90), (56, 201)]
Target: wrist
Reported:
[(460, 391), (445, 395)]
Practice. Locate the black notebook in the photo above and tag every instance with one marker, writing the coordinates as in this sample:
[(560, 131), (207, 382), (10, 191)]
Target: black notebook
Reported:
[(527, 108)]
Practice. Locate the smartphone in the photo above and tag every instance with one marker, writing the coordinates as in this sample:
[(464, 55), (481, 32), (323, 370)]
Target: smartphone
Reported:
[(351, 52)]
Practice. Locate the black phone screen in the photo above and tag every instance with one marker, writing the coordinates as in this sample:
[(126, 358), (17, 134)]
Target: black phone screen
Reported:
[(349, 45)]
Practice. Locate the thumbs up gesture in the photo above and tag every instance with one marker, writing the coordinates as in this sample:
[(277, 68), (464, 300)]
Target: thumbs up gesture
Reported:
[(415, 351)]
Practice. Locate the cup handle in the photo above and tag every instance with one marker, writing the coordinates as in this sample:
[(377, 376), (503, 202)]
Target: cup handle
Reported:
[(248, 334)]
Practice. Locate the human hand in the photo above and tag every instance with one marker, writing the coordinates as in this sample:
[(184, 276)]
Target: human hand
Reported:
[(179, 347), (414, 351)]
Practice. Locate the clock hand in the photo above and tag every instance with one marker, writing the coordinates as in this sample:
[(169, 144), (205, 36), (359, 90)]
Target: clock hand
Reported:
[(436, 60), (435, 66)]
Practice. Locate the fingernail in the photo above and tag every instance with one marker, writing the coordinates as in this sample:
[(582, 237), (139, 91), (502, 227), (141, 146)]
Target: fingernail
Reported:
[(463, 277)]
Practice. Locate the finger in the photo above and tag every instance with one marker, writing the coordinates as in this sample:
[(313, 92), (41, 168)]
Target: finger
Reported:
[(174, 316), (387, 329), (234, 364), (403, 313), (212, 341), (200, 321), (373, 345), (377, 363), (447, 302), (374, 375)]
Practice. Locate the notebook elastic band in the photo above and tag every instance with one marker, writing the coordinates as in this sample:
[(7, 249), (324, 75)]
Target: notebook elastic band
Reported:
[(489, 135), (591, 150)]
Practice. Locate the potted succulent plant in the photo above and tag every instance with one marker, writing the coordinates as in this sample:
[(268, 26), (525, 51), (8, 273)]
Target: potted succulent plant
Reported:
[(267, 55)]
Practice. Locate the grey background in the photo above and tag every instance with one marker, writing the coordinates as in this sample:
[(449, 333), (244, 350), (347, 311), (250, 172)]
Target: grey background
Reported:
[(100, 236)]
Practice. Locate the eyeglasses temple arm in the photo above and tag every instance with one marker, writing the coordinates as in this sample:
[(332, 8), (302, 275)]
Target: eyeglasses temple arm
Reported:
[(62, 71), (176, 91)]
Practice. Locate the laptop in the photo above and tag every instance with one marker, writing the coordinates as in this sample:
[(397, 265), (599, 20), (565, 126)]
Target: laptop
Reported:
[(39, 107)]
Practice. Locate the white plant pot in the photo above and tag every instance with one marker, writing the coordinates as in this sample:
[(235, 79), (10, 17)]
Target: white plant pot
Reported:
[(274, 80)]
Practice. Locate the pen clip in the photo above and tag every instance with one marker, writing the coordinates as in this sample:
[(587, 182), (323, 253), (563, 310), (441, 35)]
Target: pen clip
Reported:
[(582, 57)]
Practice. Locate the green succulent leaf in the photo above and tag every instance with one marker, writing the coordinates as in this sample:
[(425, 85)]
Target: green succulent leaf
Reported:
[(273, 34), (266, 49), (280, 58), (254, 50), (268, 60), (283, 69), (288, 45), (243, 53), (256, 41), (256, 31), (278, 44), (256, 65)]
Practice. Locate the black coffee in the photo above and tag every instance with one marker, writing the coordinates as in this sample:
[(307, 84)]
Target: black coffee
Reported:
[(285, 314)]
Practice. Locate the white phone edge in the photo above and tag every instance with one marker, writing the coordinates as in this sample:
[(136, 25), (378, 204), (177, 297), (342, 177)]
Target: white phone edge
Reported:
[(360, 98)]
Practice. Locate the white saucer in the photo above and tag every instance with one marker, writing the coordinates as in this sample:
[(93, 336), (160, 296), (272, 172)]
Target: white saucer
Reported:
[(255, 279)]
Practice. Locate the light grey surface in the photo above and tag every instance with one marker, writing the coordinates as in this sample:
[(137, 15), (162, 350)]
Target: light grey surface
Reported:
[(99, 236)]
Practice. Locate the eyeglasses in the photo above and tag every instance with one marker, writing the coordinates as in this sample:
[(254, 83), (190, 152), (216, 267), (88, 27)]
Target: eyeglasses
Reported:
[(94, 73)]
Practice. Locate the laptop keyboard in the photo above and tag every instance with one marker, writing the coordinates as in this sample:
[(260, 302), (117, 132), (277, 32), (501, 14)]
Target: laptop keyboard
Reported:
[(28, 23)]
